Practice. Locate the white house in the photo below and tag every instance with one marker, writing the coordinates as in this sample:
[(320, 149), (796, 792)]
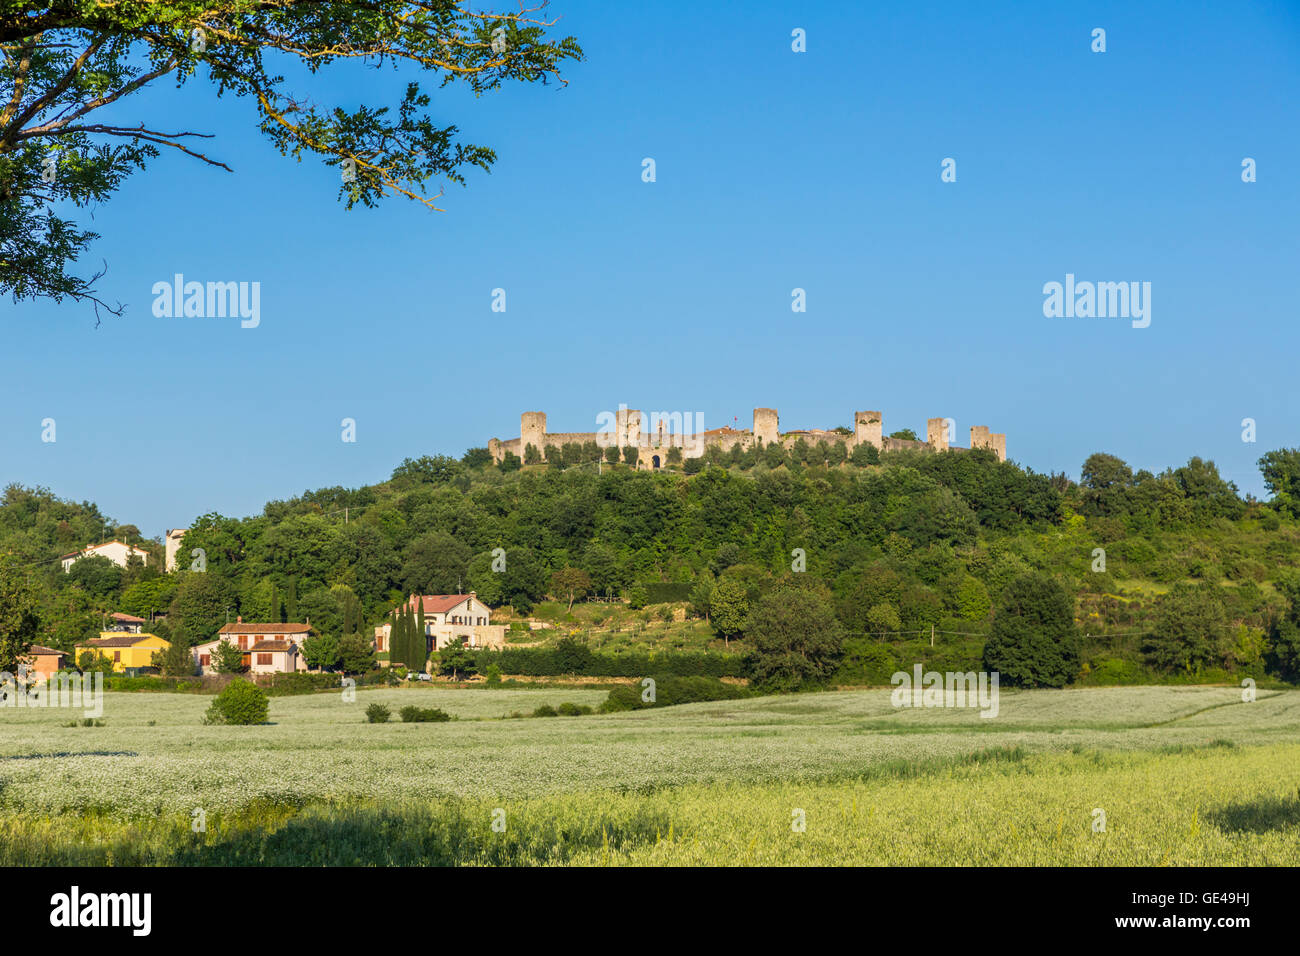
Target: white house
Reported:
[(448, 618), (115, 551), (267, 648)]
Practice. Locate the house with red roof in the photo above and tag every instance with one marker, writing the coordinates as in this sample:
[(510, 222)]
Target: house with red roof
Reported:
[(42, 661), (449, 618), (267, 648)]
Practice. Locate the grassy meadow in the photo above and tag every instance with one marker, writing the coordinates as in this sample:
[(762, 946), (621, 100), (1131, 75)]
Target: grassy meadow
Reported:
[(1184, 775)]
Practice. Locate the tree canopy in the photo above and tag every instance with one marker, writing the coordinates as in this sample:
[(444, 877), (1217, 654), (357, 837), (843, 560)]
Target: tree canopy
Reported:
[(71, 66)]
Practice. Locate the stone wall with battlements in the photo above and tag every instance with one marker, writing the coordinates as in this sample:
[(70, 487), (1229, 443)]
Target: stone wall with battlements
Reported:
[(632, 427)]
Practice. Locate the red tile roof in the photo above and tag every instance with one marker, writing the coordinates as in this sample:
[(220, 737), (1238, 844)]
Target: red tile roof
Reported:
[(438, 603), (126, 640), (126, 618), (264, 629), (40, 650), (271, 646)]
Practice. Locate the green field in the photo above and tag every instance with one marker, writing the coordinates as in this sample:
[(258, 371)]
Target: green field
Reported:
[(1185, 775)]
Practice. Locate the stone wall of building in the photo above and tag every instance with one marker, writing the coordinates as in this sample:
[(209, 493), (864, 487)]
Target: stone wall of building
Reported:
[(868, 427)]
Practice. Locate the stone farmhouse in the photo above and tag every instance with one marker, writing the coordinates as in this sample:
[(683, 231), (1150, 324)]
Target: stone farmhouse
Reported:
[(115, 551), (654, 442), (267, 648), (449, 618)]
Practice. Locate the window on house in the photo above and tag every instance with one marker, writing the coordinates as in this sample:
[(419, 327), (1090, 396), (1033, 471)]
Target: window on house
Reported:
[(205, 660), (263, 658), (117, 655)]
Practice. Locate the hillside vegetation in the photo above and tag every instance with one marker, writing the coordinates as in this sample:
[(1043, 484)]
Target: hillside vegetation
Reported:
[(1170, 577)]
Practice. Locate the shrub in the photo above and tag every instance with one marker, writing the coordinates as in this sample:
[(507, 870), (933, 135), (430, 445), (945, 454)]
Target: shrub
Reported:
[(546, 710), (378, 714), (670, 690), (569, 709), (422, 715), (493, 674), (240, 703)]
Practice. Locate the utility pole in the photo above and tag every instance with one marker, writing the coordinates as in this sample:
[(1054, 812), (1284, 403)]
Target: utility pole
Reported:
[(932, 635)]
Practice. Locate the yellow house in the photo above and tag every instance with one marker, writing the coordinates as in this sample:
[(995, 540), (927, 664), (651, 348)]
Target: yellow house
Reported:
[(124, 650)]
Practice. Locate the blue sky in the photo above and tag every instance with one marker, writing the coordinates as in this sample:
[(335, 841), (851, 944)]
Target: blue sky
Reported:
[(775, 170)]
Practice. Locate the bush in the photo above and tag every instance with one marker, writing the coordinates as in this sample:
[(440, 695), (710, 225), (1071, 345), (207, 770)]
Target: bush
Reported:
[(670, 690), (493, 674), (423, 715), (378, 714), (546, 710), (568, 709), (866, 661), (241, 703), (572, 656)]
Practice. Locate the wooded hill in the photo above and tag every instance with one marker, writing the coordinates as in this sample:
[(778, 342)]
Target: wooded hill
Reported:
[(915, 544)]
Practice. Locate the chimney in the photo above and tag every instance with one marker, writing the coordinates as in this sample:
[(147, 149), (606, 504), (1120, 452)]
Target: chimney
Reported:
[(238, 619)]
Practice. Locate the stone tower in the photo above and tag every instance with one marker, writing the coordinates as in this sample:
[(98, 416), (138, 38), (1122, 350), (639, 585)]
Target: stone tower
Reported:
[(996, 442), (627, 426), (936, 433), (766, 426), (868, 427), (532, 431), (172, 546)]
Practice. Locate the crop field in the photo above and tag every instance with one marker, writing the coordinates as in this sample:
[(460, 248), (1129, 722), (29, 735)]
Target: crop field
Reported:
[(1110, 776)]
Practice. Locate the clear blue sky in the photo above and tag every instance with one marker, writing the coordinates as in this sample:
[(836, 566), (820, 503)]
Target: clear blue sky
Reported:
[(776, 170)]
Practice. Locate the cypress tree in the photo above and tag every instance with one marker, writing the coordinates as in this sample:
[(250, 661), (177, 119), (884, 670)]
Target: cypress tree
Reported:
[(421, 644), (398, 654), (291, 601)]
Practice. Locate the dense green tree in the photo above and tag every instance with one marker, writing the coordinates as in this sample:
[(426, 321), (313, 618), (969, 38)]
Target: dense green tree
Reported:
[(436, 563), (321, 651), (796, 637), (476, 458), (146, 598), (356, 655), (99, 576), (1033, 641), (569, 584), (1281, 472), (865, 454), (1190, 629), (176, 660), (730, 604), (18, 620), (455, 661), (203, 603), (226, 658)]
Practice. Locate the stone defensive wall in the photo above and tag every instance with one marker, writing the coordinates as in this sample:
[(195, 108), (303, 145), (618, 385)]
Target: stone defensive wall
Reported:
[(675, 429)]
